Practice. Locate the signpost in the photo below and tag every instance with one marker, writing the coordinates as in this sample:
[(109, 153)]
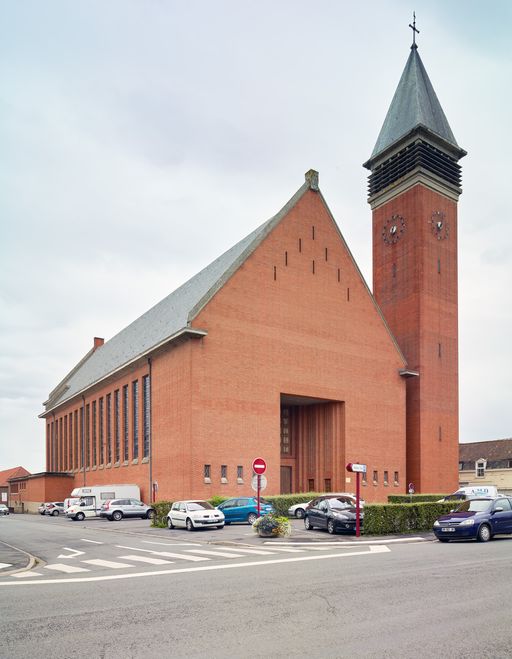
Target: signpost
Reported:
[(358, 469), (259, 466)]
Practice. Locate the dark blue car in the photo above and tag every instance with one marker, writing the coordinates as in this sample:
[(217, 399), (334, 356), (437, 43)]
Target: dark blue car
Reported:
[(244, 509), (477, 518)]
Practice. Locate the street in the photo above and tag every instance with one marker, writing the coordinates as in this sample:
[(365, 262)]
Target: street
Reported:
[(323, 598)]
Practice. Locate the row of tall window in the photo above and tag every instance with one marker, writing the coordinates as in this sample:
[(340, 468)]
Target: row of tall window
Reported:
[(223, 473), (102, 432)]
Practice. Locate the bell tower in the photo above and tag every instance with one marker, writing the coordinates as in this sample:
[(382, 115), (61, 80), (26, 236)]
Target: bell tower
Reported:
[(414, 187)]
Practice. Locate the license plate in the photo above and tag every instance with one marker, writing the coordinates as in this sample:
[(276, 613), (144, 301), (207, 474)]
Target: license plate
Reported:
[(448, 529)]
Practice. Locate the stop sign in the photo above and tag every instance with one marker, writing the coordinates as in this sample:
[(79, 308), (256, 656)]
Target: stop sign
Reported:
[(259, 466)]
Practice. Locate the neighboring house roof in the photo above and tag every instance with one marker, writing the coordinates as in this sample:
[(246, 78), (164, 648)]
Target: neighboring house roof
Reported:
[(15, 472), (496, 449), (415, 103), (173, 316)]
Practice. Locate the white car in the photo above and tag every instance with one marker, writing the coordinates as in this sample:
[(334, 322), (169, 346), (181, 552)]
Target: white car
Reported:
[(194, 514), (298, 510), (3, 509)]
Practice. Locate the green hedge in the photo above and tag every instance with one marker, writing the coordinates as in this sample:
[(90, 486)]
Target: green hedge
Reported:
[(382, 519), (416, 498), (282, 502)]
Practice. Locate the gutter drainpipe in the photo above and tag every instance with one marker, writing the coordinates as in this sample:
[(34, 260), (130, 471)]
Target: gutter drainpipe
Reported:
[(83, 435), (151, 490)]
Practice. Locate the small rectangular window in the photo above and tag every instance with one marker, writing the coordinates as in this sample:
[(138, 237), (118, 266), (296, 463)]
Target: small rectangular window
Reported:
[(327, 485), (207, 471), (480, 469), (375, 476), (240, 472), (461, 466), (386, 480), (311, 484), (223, 471)]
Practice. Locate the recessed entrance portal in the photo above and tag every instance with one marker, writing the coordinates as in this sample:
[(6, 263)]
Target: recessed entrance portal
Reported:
[(312, 444)]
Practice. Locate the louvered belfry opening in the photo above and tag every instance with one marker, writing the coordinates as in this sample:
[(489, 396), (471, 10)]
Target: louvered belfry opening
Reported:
[(419, 154)]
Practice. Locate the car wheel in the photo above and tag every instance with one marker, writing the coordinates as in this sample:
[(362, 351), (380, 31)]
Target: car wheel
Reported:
[(330, 526), (299, 513), (484, 533), (251, 518), (307, 524), (190, 525), (117, 515), (80, 517), (55, 513), (150, 514), (110, 519), (221, 526), (170, 525)]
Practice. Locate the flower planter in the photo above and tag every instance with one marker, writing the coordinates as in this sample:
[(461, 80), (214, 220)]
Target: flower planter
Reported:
[(265, 534)]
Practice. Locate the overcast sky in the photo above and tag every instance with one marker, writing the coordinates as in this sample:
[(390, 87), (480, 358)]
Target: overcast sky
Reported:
[(140, 140)]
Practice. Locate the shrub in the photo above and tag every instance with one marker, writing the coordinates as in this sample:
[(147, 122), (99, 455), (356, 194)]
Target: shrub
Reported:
[(282, 502), (161, 510), (382, 519), (416, 498)]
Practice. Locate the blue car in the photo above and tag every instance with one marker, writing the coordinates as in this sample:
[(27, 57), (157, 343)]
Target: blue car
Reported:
[(479, 519), (244, 509)]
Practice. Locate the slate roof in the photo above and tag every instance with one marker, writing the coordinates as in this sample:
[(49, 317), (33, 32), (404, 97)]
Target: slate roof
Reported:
[(165, 320), (14, 472), (493, 450), (414, 104)]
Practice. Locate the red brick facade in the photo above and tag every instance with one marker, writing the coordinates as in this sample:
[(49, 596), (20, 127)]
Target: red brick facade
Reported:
[(415, 284), (295, 334)]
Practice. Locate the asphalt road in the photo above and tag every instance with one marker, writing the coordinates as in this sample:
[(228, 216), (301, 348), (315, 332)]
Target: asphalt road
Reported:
[(422, 599)]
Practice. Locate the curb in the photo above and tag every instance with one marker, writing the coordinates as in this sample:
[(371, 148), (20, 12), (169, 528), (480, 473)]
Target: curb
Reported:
[(32, 561)]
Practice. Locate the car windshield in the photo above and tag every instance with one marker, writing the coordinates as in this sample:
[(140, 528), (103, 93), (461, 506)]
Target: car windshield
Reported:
[(199, 505), (339, 504), (474, 506)]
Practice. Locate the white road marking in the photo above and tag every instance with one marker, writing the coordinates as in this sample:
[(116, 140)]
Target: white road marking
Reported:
[(222, 554), (2, 565), (61, 567), (203, 568), (172, 544), (288, 550), (349, 543), (25, 575), (102, 563), (93, 541), (259, 552), (73, 555), (146, 559), (166, 553)]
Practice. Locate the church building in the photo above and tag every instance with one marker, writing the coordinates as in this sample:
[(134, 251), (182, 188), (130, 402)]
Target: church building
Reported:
[(279, 349)]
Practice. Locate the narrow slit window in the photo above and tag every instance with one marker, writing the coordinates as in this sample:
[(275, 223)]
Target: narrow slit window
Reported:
[(300, 244), (286, 258), (275, 273), (313, 267), (313, 232), (348, 294), (339, 274), (326, 255)]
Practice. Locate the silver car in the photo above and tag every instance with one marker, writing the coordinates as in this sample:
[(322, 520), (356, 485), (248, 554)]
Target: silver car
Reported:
[(116, 509)]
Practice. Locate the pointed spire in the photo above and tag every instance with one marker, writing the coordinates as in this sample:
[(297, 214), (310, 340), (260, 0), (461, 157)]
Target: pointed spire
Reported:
[(414, 104)]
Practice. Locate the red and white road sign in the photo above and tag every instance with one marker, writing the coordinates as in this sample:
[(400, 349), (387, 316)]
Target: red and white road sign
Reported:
[(259, 466)]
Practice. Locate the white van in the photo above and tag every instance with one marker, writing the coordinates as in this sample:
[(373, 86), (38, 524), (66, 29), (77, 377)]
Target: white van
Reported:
[(91, 499), (472, 492)]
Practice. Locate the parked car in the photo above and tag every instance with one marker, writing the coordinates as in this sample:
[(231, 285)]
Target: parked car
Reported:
[(42, 508), (3, 509), (334, 513), (244, 509), (298, 509), (55, 508), (479, 519), (116, 509), (194, 514)]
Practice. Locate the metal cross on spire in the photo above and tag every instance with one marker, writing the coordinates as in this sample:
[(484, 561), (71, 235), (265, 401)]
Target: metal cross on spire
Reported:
[(414, 30)]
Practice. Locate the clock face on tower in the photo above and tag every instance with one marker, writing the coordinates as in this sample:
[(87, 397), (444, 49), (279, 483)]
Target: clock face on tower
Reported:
[(439, 225), (393, 229)]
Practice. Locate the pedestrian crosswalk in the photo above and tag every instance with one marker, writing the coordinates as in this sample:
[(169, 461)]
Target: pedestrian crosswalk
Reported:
[(166, 554)]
